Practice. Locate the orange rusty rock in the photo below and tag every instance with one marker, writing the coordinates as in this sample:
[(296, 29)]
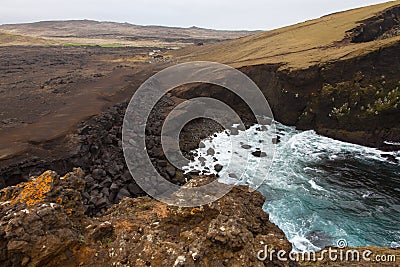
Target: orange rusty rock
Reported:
[(194, 210), (34, 191)]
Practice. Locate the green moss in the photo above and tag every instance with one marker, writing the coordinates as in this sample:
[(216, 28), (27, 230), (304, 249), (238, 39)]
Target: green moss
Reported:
[(387, 101), (350, 98)]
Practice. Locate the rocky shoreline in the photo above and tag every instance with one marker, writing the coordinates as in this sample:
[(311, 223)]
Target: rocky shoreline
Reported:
[(355, 100), (100, 210)]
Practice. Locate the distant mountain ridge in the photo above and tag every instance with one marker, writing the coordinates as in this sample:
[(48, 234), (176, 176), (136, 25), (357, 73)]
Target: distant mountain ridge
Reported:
[(118, 32)]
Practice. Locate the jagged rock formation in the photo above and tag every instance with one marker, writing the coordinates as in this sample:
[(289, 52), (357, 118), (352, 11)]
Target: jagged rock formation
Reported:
[(42, 224), (98, 151), (40, 219)]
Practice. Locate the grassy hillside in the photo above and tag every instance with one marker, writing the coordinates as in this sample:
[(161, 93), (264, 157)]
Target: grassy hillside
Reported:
[(298, 46), (338, 75)]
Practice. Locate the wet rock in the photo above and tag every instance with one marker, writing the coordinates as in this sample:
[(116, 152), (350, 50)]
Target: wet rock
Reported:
[(319, 238), (259, 154), (210, 152), (232, 175), (276, 140), (390, 158), (234, 131), (218, 167), (262, 128)]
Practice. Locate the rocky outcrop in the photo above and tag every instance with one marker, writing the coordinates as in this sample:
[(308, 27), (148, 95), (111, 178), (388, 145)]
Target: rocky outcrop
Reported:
[(228, 232), (382, 26), (42, 224), (41, 219)]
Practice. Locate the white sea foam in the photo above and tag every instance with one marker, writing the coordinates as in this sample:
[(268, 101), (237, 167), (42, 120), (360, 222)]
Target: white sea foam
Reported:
[(392, 143), (294, 179), (315, 186)]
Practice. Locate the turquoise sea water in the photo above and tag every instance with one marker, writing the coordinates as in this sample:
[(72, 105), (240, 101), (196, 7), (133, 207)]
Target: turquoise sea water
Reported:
[(318, 190)]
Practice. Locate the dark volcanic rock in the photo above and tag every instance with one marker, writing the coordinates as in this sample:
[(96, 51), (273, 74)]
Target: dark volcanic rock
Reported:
[(234, 131), (259, 154), (123, 193), (134, 189), (390, 158), (276, 140), (171, 171), (101, 203), (114, 187), (210, 152), (233, 175), (218, 167)]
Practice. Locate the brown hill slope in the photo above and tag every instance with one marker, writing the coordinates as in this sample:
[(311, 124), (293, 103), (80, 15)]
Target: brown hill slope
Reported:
[(7, 38), (302, 45)]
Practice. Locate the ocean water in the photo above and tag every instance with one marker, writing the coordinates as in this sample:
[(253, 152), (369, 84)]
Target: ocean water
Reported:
[(319, 190)]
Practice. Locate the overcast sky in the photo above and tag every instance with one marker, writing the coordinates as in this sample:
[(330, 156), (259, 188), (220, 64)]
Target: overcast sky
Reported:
[(216, 14)]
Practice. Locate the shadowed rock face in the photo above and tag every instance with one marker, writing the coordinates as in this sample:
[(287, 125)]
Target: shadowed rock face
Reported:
[(42, 224), (385, 25)]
